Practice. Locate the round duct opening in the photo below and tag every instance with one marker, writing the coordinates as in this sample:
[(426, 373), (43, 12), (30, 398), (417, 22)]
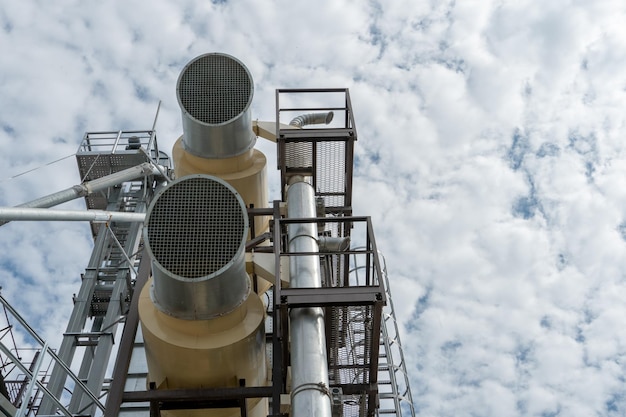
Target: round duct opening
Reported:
[(195, 232), (215, 88), (214, 92)]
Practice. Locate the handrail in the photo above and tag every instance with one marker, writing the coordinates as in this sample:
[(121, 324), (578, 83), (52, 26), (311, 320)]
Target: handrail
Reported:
[(42, 343)]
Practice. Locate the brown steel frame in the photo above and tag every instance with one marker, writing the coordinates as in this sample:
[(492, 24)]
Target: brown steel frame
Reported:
[(284, 299), (346, 134), (372, 294)]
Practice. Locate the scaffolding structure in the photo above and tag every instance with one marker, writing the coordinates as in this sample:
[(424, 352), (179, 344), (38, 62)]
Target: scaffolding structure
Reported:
[(100, 367)]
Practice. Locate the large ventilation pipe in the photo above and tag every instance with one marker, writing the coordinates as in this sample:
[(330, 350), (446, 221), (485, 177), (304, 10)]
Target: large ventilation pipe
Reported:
[(201, 325), (310, 394), (215, 92), (196, 230)]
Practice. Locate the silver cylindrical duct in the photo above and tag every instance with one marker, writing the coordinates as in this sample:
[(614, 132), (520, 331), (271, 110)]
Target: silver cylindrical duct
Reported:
[(310, 395), (8, 214), (214, 92), (196, 229), (82, 190), (333, 244)]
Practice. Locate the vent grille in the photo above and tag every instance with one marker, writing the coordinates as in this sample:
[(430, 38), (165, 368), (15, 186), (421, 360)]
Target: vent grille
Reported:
[(196, 227), (215, 88)]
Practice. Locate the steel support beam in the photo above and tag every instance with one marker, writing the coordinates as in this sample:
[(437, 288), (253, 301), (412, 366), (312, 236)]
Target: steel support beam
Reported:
[(122, 363)]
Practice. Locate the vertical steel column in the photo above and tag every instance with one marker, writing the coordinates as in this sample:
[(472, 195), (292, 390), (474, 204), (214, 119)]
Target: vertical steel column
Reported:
[(102, 351), (95, 359), (122, 361), (75, 325), (310, 395)]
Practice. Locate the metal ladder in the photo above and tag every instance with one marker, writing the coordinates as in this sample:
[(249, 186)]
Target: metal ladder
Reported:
[(393, 381), (104, 296)]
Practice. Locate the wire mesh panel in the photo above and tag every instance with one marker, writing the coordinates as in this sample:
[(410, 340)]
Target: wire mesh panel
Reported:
[(215, 88), (196, 227), (350, 344), (330, 179), (323, 154), (299, 157)]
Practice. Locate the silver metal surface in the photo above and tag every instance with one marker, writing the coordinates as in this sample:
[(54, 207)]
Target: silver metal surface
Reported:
[(333, 244), (89, 187), (27, 213), (214, 92), (312, 119), (195, 232), (310, 395)]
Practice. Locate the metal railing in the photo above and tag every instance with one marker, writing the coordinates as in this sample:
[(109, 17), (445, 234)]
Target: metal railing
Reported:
[(36, 385), (113, 142)]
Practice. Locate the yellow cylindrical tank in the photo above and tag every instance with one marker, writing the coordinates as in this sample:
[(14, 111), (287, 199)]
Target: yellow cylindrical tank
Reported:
[(206, 353), (245, 172)]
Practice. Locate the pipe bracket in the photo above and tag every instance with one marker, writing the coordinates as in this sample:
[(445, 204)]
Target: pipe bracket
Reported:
[(320, 386)]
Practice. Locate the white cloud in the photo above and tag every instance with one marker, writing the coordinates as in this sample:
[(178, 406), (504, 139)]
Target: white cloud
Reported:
[(506, 255)]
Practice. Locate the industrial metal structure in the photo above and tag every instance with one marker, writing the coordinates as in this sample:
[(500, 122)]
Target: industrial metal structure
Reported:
[(202, 297)]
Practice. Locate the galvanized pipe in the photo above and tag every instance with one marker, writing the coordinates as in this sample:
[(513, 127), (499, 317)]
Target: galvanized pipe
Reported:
[(215, 92), (310, 395), (28, 213), (89, 187), (196, 231)]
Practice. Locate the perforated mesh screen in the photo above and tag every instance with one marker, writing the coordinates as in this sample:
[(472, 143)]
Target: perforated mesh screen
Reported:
[(214, 88), (299, 156), (324, 159), (350, 344), (195, 227), (331, 173)]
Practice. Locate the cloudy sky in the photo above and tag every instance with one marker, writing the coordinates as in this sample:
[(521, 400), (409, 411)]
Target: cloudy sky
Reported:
[(491, 158)]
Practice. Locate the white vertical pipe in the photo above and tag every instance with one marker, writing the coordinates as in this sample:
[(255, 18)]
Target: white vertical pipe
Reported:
[(310, 395)]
